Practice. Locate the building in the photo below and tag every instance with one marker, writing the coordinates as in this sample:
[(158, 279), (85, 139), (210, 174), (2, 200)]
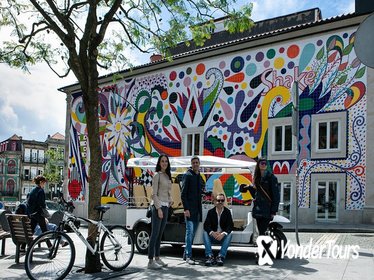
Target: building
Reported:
[(10, 170), (33, 164), (233, 98), (21, 160)]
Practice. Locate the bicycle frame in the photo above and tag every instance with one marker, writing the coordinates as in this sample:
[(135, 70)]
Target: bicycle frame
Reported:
[(69, 220)]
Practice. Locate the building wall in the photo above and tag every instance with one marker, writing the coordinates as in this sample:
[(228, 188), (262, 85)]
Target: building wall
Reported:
[(235, 97)]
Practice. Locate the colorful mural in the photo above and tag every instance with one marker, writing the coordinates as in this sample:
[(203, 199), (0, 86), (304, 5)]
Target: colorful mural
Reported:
[(232, 97)]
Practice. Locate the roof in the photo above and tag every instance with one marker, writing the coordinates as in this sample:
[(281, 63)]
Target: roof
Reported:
[(58, 136), (232, 42), (15, 137), (260, 27)]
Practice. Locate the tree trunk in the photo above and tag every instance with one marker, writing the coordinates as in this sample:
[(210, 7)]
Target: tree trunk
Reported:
[(94, 177)]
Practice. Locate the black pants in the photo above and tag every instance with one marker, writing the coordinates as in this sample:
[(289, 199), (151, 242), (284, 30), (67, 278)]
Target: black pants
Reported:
[(262, 225), (39, 219)]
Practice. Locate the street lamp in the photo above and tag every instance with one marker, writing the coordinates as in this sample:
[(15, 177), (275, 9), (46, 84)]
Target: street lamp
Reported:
[(295, 132)]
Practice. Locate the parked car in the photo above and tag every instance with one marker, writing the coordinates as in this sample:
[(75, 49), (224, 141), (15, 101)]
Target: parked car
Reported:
[(53, 205), (174, 234)]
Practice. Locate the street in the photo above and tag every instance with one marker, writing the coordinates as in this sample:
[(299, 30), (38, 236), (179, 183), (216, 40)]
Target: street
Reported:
[(240, 262)]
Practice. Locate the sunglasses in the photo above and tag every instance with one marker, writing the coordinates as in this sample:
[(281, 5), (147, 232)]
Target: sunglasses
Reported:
[(220, 200), (263, 162)]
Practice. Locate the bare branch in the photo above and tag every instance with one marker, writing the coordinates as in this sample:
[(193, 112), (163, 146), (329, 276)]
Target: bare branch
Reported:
[(75, 6), (60, 33), (54, 71), (107, 19), (130, 38)]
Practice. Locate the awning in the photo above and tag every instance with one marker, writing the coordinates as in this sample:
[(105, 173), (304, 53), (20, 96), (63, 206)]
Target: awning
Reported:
[(185, 162)]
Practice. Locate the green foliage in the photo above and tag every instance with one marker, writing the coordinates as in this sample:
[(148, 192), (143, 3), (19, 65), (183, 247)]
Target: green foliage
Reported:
[(54, 164), (57, 31)]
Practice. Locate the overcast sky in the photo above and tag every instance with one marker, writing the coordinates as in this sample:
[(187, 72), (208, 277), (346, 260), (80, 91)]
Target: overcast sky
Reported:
[(32, 107)]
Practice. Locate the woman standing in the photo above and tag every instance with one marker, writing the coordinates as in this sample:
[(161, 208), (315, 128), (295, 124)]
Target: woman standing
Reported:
[(161, 197), (266, 196), (36, 204)]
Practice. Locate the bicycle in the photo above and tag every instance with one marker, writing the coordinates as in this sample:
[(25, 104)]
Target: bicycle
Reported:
[(55, 261)]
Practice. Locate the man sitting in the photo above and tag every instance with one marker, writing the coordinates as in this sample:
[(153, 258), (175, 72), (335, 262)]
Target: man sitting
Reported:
[(217, 229)]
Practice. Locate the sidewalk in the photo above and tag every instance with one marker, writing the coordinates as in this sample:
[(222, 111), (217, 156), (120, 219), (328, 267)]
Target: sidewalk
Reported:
[(240, 262), (330, 227)]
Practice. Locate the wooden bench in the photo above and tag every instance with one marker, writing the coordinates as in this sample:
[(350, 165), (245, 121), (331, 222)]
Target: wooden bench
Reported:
[(20, 231), (3, 236)]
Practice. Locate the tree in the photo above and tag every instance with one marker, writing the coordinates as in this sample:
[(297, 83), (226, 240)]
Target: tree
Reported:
[(95, 35), (53, 167)]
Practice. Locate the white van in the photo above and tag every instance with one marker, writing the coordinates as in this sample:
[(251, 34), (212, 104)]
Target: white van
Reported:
[(174, 234)]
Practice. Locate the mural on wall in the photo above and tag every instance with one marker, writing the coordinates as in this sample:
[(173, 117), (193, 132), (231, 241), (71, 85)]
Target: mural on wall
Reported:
[(232, 97)]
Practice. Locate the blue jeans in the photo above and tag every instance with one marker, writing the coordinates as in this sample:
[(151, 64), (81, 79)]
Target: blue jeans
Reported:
[(158, 227), (225, 243), (191, 227)]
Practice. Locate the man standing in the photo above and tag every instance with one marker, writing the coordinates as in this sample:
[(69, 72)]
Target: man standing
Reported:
[(217, 229), (192, 186)]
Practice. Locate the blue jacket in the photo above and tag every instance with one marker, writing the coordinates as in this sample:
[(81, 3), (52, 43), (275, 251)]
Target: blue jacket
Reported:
[(192, 188), (36, 201), (262, 207)]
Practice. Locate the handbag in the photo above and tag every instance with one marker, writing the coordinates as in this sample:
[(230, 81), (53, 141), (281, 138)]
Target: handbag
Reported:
[(149, 211), (45, 213)]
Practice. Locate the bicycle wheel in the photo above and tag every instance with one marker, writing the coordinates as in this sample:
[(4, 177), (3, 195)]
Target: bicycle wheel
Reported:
[(117, 256), (54, 262)]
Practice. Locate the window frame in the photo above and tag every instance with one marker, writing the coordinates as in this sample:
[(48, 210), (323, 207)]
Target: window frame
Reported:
[(341, 119), (280, 155), (193, 131)]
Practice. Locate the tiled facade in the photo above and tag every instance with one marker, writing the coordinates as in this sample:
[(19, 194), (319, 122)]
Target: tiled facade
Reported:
[(235, 101)]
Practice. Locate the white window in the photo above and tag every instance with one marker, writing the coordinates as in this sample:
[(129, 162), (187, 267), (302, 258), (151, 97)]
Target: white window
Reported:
[(34, 155), (282, 138), (27, 156), (193, 141), (329, 133), (41, 156), (33, 172), (281, 141), (285, 199)]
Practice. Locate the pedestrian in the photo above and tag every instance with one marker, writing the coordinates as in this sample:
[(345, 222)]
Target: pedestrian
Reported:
[(36, 207), (218, 226), (161, 199), (192, 188), (266, 195)]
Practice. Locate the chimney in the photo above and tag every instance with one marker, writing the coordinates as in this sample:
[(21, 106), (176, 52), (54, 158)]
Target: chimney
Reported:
[(364, 7), (156, 57)]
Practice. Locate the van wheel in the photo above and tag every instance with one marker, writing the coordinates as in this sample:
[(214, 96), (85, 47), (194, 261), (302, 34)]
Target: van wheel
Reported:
[(142, 237), (281, 239)]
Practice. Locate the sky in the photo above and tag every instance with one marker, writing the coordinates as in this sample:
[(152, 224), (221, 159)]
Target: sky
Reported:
[(32, 107)]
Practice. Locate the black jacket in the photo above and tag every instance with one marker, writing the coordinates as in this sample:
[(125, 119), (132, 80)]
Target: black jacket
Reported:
[(192, 188), (36, 201), (211, 221), (262, 207)]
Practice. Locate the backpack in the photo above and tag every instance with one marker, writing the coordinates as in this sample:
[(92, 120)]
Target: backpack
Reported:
[(21, 209)]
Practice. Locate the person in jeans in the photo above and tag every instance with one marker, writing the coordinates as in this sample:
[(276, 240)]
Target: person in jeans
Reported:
[(266, 195), (192, 187), (36, 203), (161, 196), (218, 226)]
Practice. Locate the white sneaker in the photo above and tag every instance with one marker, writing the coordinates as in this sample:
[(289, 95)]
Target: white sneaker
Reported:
[(153, 265), (190, 261), (161, 263)]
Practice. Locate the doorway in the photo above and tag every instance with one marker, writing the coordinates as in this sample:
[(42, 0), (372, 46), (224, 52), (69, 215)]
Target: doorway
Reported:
[(327, 197)]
